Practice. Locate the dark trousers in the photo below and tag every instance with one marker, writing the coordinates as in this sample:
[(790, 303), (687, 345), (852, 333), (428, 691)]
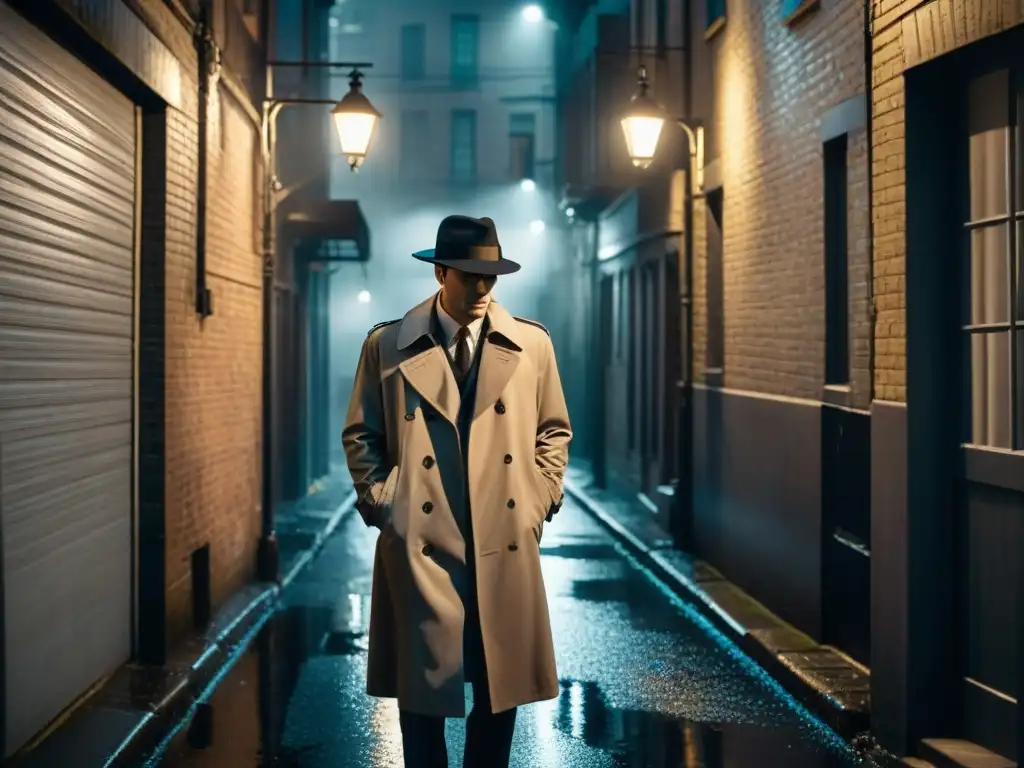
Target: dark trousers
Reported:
[(488, 736)]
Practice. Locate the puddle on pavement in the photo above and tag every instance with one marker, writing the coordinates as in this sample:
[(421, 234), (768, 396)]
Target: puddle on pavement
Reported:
[(637, 739), (249, 714)]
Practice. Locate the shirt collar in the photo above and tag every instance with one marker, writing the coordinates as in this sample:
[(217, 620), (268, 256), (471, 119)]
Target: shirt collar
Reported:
[(450, 325)]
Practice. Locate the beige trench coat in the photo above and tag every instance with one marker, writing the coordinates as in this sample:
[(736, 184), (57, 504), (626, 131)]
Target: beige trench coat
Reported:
[(402, 444)]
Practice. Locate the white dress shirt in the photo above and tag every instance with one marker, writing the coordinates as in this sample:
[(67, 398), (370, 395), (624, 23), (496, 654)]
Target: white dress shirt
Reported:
[(450, 326)]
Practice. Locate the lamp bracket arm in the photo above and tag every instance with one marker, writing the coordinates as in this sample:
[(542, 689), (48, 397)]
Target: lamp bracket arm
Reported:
[(695, 134)]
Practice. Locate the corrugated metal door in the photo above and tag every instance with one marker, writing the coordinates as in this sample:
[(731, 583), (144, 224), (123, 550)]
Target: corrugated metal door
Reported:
[(67, 211)]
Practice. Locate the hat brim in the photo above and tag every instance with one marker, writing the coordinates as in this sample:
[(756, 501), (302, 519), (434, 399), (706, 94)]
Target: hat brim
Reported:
[(474, 266)]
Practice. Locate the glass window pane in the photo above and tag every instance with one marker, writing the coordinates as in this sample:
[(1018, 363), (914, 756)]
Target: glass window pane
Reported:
[(1020, 273), (1020, 146), (990, 389), (990, 275), (1019, 445), (989, 122)]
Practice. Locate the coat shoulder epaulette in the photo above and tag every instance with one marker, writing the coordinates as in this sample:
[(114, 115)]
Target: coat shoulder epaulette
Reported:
[(533, 323), (380, 325)]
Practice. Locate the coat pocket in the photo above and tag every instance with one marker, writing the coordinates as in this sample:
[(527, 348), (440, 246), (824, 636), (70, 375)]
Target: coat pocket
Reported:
[(382, 509), (543, 494)]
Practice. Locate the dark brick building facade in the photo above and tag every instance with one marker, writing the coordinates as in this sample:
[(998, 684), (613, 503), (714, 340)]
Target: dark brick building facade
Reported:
[(849, 435), (192, 513)]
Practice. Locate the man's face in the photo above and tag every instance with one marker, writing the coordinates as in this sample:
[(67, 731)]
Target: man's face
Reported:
[(466, 296)]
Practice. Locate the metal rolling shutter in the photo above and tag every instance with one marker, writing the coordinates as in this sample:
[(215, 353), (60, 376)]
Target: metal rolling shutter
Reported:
[(67, 209)]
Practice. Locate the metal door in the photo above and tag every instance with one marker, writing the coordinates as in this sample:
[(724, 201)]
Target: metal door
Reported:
[(67, 227)]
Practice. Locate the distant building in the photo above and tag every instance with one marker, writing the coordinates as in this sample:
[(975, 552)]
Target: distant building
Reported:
[(467, 93)]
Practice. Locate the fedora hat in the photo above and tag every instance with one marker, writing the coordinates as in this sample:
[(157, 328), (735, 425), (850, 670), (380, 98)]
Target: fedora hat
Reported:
[(468, 245)]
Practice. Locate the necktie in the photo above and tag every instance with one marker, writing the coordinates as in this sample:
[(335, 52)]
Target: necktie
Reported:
[(462, 355)]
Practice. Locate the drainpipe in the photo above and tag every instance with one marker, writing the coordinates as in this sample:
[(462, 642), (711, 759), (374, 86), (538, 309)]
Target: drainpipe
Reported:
[(209, 74), (683, 529)]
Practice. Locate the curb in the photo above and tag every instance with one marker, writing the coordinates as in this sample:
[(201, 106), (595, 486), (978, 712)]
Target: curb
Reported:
[(845, 722), (202, 667)]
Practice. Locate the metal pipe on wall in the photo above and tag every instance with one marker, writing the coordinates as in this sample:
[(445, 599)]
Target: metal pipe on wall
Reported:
[(682, 522), (209, 56)]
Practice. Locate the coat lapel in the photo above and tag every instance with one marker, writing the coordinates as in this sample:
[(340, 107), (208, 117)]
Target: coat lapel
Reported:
[(426, 366), (499, 357)]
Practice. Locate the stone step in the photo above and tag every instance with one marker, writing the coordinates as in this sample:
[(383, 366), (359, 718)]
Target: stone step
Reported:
[(957, 753)]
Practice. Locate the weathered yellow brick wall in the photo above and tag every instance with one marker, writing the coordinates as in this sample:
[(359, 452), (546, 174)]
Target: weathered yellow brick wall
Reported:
[(772, 83), (905, 34), (212, 376)]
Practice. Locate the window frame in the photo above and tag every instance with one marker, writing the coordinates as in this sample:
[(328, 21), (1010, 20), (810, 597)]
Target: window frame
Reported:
[(517, 130), (413, 70), (714, 286), (716, 13), (472, 120), (1013, 220), (835, 157), (464, 76)]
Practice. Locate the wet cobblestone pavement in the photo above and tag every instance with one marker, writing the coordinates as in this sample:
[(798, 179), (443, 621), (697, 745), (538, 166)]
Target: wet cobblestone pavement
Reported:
[(646, 682)]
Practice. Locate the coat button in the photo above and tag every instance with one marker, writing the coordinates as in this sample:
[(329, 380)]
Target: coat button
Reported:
[(511, 504), (508, 458), (499, 407), (428, 462), (410, 416), (428, 507), (428, 549), (513, 547)]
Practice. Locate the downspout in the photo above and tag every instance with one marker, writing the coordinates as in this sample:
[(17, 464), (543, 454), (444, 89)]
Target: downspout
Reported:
[(209, 74), (869, 119), (684, 532)]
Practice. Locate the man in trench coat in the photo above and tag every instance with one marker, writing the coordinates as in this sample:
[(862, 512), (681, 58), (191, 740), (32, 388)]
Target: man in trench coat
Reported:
[(457, 440)]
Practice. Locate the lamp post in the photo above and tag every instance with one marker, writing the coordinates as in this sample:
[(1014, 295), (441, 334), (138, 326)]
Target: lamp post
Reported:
[(642, 124), (355, 120)]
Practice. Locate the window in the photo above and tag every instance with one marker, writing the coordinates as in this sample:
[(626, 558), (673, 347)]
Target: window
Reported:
[(414, 52), (414, 142), (521, 131), (837, 310), (715, 284), (716, 16), (465, 49), (463, 156), (994, 306)]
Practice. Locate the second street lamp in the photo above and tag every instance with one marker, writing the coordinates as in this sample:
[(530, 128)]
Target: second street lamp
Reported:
[(355, 120), (642, 125)]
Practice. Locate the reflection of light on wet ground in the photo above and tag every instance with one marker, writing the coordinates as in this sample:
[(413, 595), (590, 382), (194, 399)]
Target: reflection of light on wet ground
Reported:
[(386, 732), (544, 714), (644, 681), (576, 714)]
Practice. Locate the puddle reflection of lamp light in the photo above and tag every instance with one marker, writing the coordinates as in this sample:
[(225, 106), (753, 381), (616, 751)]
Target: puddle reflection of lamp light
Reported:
[(537, 226)]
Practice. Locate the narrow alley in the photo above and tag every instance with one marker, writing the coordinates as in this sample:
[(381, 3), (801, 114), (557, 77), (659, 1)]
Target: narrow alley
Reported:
[(645, 680)]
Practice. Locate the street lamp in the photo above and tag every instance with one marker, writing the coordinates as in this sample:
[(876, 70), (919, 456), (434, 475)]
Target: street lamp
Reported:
[(355, 120), (642, 126), (533, 13)]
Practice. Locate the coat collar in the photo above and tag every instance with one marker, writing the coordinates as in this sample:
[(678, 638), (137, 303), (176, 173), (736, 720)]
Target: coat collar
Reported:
[(429, 372), (417, 323)]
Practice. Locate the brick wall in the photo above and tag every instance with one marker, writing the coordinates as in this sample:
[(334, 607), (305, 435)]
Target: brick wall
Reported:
[(906, 33), (212, 385), (771, 84)]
